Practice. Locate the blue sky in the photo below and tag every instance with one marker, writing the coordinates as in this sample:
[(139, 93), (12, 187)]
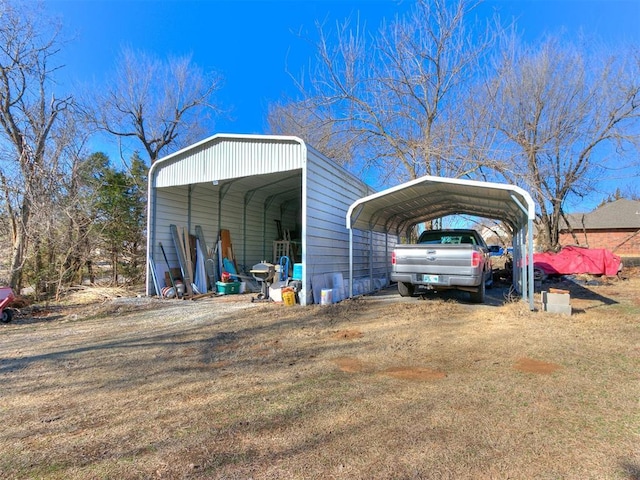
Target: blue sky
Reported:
[(252, 42)]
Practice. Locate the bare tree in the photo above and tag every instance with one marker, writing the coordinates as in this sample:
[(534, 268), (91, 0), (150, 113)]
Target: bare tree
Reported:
[(29, 113), (562, 117), (78, 230), (397, 95), (162, 103), (307, 122)]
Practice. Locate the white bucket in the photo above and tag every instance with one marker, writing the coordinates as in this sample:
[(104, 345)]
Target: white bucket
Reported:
[(275, 294), (243, 287), (326, 296)]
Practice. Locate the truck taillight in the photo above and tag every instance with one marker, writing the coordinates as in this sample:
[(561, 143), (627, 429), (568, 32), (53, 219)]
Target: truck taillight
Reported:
[(393, 258), (476, 258)]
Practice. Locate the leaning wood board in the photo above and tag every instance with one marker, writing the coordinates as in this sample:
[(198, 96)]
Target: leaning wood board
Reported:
[(207, 265), (227, 247), (182, 258), (225, 238), (189, 250)]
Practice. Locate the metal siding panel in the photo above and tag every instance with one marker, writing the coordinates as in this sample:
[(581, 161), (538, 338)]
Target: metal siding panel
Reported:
[(250, 249), (252, 241), (231, 218), (171, 208), (257, 231), (330, 192), (204, 212), (228, 157)]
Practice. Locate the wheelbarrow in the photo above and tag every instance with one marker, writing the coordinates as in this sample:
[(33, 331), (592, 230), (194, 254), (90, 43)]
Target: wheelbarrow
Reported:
[(6, 297)]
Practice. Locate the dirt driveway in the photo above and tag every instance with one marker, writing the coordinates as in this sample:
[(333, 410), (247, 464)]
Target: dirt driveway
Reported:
[(378, 387), (496, 296)]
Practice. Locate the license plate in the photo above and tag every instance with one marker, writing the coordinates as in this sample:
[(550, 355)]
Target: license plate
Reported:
[(430, 278)]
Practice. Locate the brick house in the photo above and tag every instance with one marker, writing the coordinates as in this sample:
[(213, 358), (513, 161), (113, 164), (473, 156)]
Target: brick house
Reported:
[(614, 226)]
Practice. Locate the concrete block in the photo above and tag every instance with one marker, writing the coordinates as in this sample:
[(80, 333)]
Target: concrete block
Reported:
[(555, 308), (557, 298), (556, 303)]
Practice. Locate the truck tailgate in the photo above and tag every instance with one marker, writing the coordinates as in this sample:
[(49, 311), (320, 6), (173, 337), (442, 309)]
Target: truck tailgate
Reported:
[(454, 259)]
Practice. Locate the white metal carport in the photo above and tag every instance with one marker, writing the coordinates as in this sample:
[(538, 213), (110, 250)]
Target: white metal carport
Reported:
[(397, 210), (245, 184)]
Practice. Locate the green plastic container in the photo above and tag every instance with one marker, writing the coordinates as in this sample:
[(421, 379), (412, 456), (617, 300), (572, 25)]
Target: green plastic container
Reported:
[(226, 288)]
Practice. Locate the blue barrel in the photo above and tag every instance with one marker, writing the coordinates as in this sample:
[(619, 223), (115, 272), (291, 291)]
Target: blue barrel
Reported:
[(297, 271)]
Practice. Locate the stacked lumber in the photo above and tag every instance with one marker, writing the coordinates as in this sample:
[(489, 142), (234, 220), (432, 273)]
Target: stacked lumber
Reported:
[(182, 244), (197, 263), (226, 253)]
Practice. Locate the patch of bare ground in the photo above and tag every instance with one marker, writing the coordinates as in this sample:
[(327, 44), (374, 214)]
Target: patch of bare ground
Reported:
[(222, 388)]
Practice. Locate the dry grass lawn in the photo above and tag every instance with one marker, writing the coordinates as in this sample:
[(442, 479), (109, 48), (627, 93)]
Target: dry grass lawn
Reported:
[(221, 388)]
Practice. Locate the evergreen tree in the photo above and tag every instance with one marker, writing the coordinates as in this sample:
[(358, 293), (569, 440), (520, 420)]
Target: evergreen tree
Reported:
[(120, 208)]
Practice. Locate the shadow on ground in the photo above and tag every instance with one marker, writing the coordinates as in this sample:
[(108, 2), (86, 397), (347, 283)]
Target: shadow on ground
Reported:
[(496, 296), (579, 288)]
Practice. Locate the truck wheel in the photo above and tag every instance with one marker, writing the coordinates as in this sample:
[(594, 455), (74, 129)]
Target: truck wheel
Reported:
[(478, 297), (6, 316), (405, 289), (490, 282), (539, 275)]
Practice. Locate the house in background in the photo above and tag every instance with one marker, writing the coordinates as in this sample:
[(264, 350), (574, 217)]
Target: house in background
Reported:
[(614, 226)]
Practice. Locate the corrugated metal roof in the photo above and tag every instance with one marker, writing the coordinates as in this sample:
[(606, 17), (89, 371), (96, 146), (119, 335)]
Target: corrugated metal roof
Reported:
[(427, 198), (206, 161), (619, 214)]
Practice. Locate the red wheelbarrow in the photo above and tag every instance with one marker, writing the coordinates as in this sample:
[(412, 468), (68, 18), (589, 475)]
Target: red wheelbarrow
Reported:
[(6, 297)]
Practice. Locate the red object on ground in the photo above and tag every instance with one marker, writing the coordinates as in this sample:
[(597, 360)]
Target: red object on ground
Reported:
[(574, 260), (6, 296)]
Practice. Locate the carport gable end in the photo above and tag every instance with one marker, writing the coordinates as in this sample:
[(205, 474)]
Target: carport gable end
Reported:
[(243, 183)]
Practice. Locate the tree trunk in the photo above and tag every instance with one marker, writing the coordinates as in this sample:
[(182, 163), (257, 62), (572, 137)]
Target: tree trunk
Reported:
[(91, 273), (19, 247), (17, 258), (114, 267), (40, 271)]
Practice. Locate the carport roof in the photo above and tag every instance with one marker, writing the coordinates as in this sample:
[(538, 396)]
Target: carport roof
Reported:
[(396, 209)]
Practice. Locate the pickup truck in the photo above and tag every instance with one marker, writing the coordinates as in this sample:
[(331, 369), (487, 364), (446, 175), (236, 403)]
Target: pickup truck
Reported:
[(443, 259)]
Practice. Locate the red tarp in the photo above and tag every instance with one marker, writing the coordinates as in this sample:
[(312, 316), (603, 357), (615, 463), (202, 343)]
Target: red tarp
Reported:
[(573, 260)]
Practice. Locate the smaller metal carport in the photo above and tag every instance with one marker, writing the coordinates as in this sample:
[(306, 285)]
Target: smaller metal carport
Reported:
[(398, 209)]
